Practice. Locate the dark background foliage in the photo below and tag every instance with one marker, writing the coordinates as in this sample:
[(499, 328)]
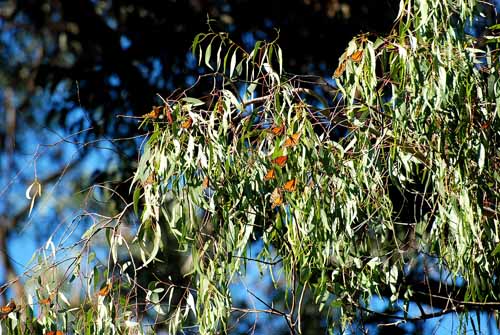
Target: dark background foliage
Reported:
[(122, 53)]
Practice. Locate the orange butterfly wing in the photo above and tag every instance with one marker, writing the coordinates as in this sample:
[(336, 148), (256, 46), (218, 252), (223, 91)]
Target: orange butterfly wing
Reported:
[(205, 182), (280, 161), (271, 174), (290, 185), (220, 105), (8, 308), (105, 290), (278, 130), (155, 112), (276, 198), (187, 124), (357, 56), (56, 332), (292, 140), (150, 179), (340, 69), (168, 113), (46, 301)]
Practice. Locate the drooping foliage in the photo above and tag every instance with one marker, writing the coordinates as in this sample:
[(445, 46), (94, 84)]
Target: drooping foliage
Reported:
[(401, 164), (349, 194)]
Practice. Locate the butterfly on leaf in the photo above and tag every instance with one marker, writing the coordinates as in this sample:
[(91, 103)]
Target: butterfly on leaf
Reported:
[(150, 179), (356, 57), (154, 114), (485, 125), (168, 112), (292, 140), (278, 130), (340, 69), (280, 161), (206, 182), (11, 306), (46, 301), (276, 198), (187, 124), (220, 105), (290, 185), (105, 290), (271, 174)]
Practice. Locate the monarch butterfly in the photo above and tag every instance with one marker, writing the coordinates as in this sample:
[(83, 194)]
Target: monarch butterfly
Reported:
[(357, 56), (278, 130), (55, 332), (205, 182), (155, 112), (150, 179), (186, 124), (8, 308), (290, 185), (340, 69), (168, 113), (486, 124), (46, 301), (280, 161), (220, 105), (292, 140), (271, 174), (105, 290), (276, 198)]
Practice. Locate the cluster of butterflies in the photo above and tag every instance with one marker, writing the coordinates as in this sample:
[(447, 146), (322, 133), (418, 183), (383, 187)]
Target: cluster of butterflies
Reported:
[(159, 112), (280, 161), (11, 307), (165, 111), (291, 185), (104, 291), (276, 130)]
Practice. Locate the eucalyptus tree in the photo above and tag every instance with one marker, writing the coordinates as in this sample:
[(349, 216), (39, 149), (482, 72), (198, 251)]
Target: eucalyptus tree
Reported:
[(387, 188), (261, 161)]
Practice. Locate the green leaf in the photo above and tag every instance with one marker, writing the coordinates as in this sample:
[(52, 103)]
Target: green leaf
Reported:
[(195, 43), (239, 68), (280, 60), (225, 58), (136, 197), (208, 53), (270, 51), (255, 50), (496, 251), (193, 101), (96, 278), (156, 246), (233, 64), (190, 303), (494, 27), (482, 157), (218, 56)]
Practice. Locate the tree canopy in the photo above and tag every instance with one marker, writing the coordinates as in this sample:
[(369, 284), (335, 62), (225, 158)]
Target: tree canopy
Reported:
[(380, 182), (70, 71), (349, 199)]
